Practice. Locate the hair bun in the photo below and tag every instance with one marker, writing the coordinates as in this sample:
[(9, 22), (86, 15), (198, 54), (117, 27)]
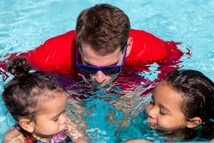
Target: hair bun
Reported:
[(18, 67)]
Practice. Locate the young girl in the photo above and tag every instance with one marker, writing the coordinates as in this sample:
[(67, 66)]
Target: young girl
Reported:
[(182, 107), (37, 103)]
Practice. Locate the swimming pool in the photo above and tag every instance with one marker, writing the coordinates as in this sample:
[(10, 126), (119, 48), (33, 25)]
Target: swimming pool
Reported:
[(26, 24)]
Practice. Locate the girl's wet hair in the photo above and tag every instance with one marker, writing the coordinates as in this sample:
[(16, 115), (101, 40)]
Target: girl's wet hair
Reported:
[(197, 91), (22, 93)]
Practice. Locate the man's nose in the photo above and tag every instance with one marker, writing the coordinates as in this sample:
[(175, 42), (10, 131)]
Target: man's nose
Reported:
[(99, 77)]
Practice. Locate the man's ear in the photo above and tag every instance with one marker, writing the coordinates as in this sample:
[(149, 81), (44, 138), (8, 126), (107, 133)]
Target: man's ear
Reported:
[(80, 50), (194, 122), (129, 46), (27, 124)]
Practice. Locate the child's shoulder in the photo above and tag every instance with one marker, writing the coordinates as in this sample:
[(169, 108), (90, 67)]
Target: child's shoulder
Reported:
[(13, 136)]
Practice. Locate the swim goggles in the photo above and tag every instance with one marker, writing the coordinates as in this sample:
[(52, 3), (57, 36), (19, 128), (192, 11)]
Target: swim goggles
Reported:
[(108, 70)]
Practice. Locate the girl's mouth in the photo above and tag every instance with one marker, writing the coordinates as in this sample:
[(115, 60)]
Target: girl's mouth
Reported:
[(153, 126)]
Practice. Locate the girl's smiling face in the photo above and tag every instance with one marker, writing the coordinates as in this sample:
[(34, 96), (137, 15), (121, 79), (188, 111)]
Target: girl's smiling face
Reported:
[(164, 111)]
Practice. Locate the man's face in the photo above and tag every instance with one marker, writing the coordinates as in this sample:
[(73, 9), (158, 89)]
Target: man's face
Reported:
[(90, 57)]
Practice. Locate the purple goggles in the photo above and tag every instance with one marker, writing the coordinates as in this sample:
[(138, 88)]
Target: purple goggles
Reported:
[(108, 70)]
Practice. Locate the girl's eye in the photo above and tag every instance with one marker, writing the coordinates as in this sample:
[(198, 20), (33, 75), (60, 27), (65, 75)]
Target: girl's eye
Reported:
[(162, 113), (56, 119)]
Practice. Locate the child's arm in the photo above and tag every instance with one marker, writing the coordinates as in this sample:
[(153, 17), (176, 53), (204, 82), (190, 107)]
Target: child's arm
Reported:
[(82, 140), (13, 136), (137, 141)]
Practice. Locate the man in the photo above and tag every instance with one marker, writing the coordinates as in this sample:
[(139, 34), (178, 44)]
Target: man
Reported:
[(100, 46), (102, 33)]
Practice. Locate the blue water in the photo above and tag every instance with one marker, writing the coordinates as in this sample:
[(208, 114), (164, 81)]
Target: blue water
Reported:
[(26, 24)]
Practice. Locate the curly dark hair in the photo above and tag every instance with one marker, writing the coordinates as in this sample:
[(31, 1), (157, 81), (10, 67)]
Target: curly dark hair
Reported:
[(104, 27), (198, 95), (23, 92)]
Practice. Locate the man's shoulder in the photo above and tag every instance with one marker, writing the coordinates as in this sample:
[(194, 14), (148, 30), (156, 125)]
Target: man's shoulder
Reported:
[(67, 35)]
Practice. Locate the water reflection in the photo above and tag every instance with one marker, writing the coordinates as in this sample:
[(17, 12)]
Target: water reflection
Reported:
[(102, 112)]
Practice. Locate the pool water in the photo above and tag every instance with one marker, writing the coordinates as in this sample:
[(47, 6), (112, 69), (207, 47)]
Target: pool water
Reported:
[(26, 24)]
